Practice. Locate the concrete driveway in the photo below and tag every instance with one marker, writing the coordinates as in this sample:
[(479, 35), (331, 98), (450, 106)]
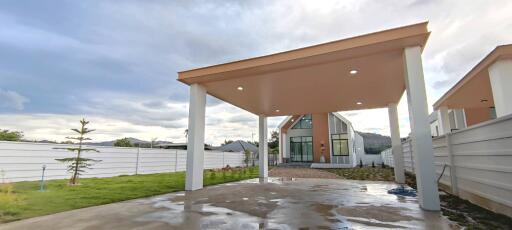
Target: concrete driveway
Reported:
[(273, 204)]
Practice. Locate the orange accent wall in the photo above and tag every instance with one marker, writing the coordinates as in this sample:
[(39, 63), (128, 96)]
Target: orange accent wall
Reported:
[(321, 135), (476, 115)]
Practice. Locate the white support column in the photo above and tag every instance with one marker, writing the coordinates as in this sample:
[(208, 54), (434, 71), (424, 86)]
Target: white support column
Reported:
[(396, 144), (428, 194), (195, 145), (444, 120), (460, 122), (263, 147), (500, 75)]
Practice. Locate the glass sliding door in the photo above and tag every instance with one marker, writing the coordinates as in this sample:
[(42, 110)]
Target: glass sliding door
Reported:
[(301, 149), (295, 150)]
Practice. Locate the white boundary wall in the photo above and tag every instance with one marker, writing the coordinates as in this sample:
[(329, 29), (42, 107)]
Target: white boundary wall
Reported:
[(480, 160), (23, 161)]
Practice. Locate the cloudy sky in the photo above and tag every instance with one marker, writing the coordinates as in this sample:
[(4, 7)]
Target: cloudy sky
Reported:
[(115, 62)]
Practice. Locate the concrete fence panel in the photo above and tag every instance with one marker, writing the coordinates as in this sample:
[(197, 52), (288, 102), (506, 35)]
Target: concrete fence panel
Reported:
[(23, 161), (477, 163)]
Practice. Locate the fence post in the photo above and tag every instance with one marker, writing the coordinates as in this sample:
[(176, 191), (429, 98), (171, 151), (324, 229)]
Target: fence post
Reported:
[(412, 159), (176, 161), (223, 162), (451, 162), (137, 162)]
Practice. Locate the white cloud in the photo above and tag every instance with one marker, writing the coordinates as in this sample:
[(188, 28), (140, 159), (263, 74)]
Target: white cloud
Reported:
[(151, 41), (12, 100)]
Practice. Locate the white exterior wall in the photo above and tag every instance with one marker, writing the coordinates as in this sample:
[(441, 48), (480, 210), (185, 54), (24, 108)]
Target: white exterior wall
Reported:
[(434, 129), (22, 161), (500, 75), (361, 154), (339, 125)]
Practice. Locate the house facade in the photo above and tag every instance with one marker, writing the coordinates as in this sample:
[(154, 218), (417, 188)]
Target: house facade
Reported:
[(324, 139)]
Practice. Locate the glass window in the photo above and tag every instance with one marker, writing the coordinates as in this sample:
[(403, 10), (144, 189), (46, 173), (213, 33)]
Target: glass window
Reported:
[(339, 146), (296, 139), (301, 149), (305, 122)]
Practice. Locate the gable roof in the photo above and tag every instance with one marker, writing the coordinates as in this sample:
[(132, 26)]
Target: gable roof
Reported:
[(238, 146)]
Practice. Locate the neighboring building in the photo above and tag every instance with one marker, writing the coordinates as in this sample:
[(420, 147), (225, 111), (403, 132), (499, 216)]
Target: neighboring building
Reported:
[(182, 146), (483, 94), (325, 139), (239, 146), (456, 117)]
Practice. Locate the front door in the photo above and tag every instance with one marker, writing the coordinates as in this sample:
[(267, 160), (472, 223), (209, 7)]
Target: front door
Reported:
[(301, 149)]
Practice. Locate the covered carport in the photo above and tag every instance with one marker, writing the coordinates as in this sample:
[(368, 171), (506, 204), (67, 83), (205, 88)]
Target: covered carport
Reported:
[(363, 72)]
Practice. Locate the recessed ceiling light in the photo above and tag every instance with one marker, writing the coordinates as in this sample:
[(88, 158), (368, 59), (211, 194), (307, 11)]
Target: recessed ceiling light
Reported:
[(240, 88), (293, 120), (353, 72), (359, 103)]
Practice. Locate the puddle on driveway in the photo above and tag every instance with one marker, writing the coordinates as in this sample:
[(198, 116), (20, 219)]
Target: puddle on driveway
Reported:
[(269, 204), (291, 204)]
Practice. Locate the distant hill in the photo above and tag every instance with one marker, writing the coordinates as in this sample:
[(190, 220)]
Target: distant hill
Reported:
[(375, 143), (134, 141)]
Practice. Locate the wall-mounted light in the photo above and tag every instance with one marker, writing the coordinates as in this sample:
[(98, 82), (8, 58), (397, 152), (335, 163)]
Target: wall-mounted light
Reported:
[(240, 88), (353, 72), (359, 103)]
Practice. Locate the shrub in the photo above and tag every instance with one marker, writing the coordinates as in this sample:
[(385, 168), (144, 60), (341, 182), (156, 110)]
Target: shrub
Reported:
[(123, 142), (373, 164), (360, 163), (213, 175), (8, 198)]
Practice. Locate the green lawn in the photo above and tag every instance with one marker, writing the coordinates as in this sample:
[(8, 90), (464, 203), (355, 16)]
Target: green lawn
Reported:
[(25, 201), (365, 173)]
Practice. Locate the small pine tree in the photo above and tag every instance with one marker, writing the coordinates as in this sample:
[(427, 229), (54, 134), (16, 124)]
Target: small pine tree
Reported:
[(78, 164), (382, 165), (373, 164), (247, 157), (360, 163)]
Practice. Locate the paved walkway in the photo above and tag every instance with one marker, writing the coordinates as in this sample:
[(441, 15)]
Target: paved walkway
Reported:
[(253, 204), (293, 172)]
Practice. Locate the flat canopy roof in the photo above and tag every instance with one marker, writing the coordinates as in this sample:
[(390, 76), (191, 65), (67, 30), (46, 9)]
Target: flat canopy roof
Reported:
[(474, 89), (318, 78)]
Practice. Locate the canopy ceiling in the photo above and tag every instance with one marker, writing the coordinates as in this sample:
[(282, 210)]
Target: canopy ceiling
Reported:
[(318, 78), (474, 89)]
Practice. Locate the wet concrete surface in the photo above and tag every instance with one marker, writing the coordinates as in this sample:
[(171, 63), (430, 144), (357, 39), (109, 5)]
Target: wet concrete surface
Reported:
[(275, 203)]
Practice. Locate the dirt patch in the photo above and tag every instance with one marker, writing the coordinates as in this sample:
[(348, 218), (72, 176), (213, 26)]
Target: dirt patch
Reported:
[(365, 173), (467, 214), (301, 173)]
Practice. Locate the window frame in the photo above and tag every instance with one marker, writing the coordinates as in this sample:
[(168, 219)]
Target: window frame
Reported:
[(305, 118), (303, 140), (337, 137)]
